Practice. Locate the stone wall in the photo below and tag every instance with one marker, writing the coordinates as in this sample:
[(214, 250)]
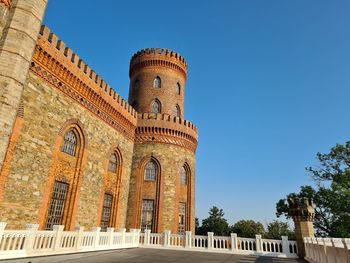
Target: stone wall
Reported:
[(46, 110), (171, 158)]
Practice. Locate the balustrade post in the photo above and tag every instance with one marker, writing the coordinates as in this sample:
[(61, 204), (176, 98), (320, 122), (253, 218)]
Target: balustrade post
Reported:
[(346, 243), (234, 242), (79, 230), (210, 240), (133, 233), (58, 236), (2, 229), (97, 231), (188, 239), (30, 238), (285, 245), (122, 231), (110, 231), (166, 242), (147, 237), (258, 243)]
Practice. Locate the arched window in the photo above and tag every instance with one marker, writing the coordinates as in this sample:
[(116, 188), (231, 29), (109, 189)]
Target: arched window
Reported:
[(176, 111), (151, 171), (183, 175), (113, 163), (136, 84), (178, 88), (157, 83), (156, 106), (70, 143)]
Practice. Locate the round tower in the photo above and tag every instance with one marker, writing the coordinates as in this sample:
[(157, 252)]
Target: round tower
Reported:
[(162, 183), (157, 82)]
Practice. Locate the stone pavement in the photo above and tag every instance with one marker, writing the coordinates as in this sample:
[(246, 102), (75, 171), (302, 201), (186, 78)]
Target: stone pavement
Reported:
[(142, 255)]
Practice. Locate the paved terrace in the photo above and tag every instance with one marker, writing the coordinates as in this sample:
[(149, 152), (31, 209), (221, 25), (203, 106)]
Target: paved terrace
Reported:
[(143, 255)]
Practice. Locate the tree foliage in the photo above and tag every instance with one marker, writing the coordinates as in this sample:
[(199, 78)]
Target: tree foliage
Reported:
[(276, 229), (214, 223), (331, 195), (248, 228)]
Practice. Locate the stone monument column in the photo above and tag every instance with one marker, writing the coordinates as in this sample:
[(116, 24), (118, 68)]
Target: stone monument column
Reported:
[(20, 24), (303, 214)]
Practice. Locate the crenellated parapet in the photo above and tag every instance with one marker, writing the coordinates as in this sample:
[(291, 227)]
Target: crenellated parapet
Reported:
[(301, 209), (61, 67), (163, 128), (158, 57)]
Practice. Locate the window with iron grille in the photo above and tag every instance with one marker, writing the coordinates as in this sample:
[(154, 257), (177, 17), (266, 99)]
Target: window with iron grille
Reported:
[(70, 143), (151, 171), (113, 163), (147, 214), (156, 107), (56, 209), (182, 218), (183, 176), (106, 211), (157, 83)]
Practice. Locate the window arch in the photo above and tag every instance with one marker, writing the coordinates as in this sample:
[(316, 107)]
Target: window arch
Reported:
[(157, 82), (156, 107), (70, 143), (113, 163), (151, 171), (178, 88), (177, 111), (183, 176)]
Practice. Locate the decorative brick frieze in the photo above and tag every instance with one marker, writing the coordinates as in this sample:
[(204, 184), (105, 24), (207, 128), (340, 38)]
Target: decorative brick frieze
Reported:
[(58, 65)]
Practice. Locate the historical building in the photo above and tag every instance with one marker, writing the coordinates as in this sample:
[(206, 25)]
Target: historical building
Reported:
[(73, 152)]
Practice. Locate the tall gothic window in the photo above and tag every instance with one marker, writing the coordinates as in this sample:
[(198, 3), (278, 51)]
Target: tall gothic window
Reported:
[(58, 200), (183, 176), (176, 111), (70, 143), (156, 107), (151, 171), (178, 88), (106, 211), (182, 218), (113, 163), (157, 83), (147, 214)]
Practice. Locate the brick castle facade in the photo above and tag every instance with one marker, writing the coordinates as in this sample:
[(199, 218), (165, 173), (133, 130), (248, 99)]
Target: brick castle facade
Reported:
[(73, 152)]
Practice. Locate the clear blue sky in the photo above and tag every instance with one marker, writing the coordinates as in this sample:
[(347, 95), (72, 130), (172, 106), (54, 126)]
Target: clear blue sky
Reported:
[(268, 83)]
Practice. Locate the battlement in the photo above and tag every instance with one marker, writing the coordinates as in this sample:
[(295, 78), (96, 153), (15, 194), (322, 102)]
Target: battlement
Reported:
[(301, 209), (82, 70), (163, 128), (158, 57)]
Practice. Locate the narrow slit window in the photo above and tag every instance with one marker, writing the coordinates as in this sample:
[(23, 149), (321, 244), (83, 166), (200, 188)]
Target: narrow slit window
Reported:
[(113, 163), (157, 83)]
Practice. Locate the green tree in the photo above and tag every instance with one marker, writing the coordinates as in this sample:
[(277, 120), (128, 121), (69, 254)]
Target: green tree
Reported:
[(331, 195), (248, 228), (214, 223), (276, 229)]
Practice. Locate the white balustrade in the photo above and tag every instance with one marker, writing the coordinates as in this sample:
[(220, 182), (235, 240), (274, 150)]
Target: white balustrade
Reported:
[(33, 242), (230, 244), (325, 250)]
